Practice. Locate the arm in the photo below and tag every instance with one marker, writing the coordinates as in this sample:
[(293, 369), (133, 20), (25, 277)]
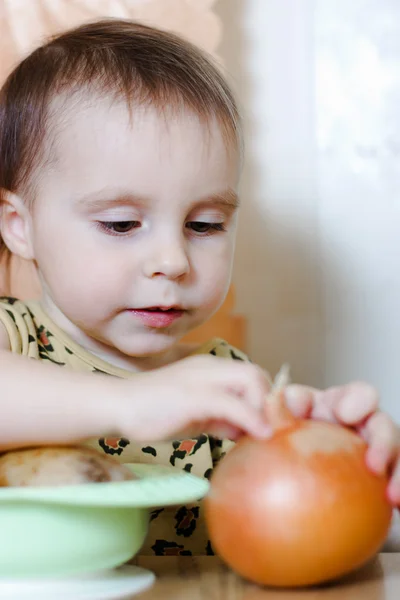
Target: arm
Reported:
[(43, 404)]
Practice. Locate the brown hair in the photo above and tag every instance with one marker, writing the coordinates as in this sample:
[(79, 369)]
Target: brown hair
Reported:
[(118, 57)]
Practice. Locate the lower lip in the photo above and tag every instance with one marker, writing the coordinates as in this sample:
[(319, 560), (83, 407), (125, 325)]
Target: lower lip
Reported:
[(157, 319)]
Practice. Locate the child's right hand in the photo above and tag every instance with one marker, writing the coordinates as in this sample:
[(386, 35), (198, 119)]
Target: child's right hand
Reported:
[(201, 394), (44, 404)]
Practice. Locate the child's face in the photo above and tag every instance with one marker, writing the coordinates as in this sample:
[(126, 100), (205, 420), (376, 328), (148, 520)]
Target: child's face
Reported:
[(131, 216)]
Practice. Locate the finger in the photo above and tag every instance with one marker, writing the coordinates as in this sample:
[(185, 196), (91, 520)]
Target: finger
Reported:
[(299, 400), (349, 404), (308, 402), (394, 485), (355, 402), (251, 384), (382, 437), (237, 414), (243, 379)]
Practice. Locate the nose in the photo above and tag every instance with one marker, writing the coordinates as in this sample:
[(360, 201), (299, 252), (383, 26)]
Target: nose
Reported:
[(167, 258)]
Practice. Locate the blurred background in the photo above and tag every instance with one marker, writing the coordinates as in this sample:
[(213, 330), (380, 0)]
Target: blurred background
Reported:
[(316, 277), (318, 262)]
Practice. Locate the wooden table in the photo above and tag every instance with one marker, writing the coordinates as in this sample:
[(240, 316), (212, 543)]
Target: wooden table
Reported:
[(205, 578)]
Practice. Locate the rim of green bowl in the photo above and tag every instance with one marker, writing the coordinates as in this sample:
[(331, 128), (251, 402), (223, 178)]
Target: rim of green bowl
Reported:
[(156, 486)]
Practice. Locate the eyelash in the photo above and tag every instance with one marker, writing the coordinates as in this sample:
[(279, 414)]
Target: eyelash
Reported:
[(211, 227), (108, 226)]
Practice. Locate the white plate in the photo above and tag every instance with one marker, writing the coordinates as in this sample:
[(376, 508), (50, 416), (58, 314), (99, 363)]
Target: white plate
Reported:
[(116, 584)]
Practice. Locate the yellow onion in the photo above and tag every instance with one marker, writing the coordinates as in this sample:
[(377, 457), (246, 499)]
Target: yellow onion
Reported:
[(300, 508)]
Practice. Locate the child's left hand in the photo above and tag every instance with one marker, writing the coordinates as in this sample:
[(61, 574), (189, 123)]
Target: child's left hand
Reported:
[(355, 405)]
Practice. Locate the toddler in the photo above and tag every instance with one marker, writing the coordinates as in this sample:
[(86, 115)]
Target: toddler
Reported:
[(120, 155)]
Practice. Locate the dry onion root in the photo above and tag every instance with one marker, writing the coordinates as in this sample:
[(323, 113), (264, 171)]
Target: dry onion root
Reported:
[(299, 509)]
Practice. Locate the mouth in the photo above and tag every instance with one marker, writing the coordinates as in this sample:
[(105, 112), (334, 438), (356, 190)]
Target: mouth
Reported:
[(161, 309), (158, 317)]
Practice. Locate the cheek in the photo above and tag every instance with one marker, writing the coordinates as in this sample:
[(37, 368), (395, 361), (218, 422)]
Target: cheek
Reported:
[(215, 273), (219, 259), (76, 272)]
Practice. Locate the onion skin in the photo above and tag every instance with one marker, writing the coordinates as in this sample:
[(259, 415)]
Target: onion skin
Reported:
[(299, 509)]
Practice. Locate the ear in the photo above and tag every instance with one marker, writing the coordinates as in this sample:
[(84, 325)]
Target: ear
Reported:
[(15, 227)]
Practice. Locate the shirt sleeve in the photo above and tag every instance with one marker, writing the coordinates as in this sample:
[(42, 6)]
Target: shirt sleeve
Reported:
[(20, 327)]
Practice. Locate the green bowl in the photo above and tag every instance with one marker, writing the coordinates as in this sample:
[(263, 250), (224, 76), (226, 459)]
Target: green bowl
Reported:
[(72, 530)]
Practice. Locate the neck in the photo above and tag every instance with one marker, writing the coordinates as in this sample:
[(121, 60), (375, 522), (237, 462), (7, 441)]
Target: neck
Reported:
[(110, 354)]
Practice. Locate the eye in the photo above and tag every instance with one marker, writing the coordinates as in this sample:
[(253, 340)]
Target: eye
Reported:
[(119, 227), (202, 227)]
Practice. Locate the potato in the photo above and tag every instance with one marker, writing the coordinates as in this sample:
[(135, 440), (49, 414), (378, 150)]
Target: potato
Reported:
[(58, 466)]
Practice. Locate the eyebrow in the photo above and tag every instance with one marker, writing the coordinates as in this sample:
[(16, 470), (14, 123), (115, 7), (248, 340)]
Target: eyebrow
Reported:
[(109, 199), (229, 199)]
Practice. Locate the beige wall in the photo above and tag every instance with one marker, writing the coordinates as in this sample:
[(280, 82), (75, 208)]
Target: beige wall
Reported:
[(318, 265), (267, 48)]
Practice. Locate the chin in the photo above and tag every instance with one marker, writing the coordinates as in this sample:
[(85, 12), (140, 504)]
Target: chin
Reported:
[(146, 345)]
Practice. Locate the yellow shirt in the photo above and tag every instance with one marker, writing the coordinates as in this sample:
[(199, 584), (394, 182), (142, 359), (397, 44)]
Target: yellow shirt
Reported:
[(173, 531)]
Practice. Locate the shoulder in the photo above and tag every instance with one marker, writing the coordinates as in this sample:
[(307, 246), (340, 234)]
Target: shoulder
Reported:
[(222, 348), (4, 335), (4, 338), (15, 309), (13, 304), (16, 325)]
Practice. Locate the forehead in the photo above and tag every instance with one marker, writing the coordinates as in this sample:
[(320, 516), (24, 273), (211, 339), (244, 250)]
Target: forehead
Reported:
[(102, 139)]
